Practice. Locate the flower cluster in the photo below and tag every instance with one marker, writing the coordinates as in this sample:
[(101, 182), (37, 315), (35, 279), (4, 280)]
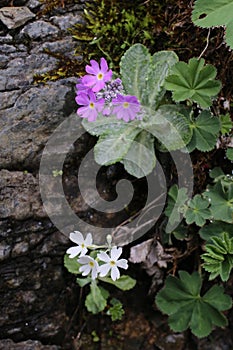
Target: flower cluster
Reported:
[(98, 93), (104, 263)]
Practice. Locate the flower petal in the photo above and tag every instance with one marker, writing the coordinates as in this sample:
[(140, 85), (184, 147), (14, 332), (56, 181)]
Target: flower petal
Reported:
[(115, 273), (76, 237), (103, 65), (104, 269), (88, 239), (123, 263), (103, 257), (115, 253), (73, 251)]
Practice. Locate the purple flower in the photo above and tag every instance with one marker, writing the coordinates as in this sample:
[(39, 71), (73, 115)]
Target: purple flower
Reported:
[(81, 88), (126, 107), (98, 75), (91, 107)]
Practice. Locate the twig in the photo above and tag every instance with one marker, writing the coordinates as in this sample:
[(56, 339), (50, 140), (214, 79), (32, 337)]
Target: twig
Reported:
[(207, 44)]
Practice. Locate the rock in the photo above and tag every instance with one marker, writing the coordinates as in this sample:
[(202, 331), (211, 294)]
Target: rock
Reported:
[(19, 196), (14, 17), (67, 21), (39, 30), (8, 344), (25, 127), (8, 98)]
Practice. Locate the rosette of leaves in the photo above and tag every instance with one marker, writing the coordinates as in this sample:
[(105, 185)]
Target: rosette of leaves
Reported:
[(218, 259), (193, 81), (216, 13), (143, 75), (181, 299)]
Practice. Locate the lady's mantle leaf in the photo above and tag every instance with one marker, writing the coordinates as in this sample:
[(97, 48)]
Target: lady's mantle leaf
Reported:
[(207, 14), (215, 229), (218, 259), (177, 197), (205, 132), (229, 153), (181, 300), (197, 211), (221, 200), (193, 81)]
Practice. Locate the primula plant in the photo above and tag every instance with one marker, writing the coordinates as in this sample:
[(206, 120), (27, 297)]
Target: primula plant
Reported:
[(155, 105), (98, 264)]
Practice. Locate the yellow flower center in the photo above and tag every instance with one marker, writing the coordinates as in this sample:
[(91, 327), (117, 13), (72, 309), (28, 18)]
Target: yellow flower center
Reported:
[(126, 105), (100, 76), (112, 263), (83, 245), (91, 105), (91, 264)]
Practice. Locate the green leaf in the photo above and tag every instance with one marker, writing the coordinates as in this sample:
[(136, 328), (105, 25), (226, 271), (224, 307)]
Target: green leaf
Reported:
[(221, 200), (218, 259), (208, 14), (229, 153), (124, 282), (72, 265), (134, 68), (197, 211), (83, 281), (205, 132), (181, 300), (112, 148), (215, 229), (193, 81), (177, 197), (95, 301), (140, 159), (169, 126), (116, 311), (160, 66), (226, 123)]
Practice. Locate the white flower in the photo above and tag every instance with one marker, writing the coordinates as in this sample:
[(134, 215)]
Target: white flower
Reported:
[(112, 263), (82, 243), (89, 265)]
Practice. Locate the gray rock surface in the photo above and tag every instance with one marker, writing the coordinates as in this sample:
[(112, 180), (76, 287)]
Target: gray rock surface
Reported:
[(14, 17), (36, 300)]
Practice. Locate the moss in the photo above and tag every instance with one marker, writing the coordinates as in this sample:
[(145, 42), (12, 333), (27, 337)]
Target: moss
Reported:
[(112, 26)]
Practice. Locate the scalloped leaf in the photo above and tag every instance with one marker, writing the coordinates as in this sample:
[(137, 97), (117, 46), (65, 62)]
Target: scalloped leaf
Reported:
[(197, 211), (96, 300), (221, 200), (177, 197), (125, 282), (229, 153), (215, 229), (207, 14), (193, 81), (206, 128), (226, 123), (181, 300)]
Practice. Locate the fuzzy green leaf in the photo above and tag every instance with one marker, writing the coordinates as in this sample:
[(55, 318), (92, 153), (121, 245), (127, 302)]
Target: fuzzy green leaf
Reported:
[(95, 301), (198, 211), (218, 259), (208, 14), (181, 300), (193, 81), (124, 282), (215, 229), (112, 148), (72, 265), (116, 311), (205, 132), (140, 159), (134, 68)]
